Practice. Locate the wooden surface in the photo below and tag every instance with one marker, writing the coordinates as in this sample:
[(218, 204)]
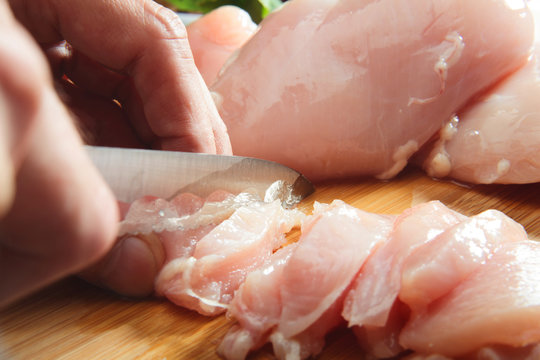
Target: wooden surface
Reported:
[(74, 320)]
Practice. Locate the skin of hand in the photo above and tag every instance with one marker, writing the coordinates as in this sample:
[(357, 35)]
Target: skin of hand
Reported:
[(125, 71)]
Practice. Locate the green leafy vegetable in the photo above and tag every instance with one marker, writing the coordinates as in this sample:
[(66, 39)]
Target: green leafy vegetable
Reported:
[(257, 9)]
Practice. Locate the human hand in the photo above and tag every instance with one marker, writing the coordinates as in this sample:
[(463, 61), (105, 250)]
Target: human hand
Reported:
[(56, 214)]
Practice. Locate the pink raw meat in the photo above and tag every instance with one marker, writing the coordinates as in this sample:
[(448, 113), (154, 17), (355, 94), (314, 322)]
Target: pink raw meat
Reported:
[(303, 295), (337, 88), (207, 280), (377, 286), (256, 306), (208, 244), (498, 352), (146, 218), (435, 268), (178, 224), (496, 139), (383, 341), (197, 218), (498, 304)]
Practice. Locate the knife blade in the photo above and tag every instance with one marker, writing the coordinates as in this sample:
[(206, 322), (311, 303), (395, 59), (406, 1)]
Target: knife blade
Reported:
[(133, 173)]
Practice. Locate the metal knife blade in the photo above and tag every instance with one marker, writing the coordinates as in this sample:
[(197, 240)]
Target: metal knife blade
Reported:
[(133, 173)]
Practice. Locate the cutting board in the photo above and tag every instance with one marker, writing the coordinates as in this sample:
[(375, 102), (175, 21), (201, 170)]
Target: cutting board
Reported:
[(75, 320)]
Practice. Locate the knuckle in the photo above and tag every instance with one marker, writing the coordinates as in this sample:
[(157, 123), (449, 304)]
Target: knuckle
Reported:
[(167, 23)]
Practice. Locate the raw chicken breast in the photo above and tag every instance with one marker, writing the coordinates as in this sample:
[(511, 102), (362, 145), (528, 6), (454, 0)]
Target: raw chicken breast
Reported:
[(148, 217), (214, 37), (496, 139), (434, 269), (531, 352), (208, 244), (149, 213), (207, 280), (152, 214), (383, 341), (302, 290), (497, 304), (377, 286), (177, 225), (337, 88), (197, 217), (256, 306)]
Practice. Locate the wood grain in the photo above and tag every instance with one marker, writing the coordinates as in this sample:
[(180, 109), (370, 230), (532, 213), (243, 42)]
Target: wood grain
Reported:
[(74, 320)]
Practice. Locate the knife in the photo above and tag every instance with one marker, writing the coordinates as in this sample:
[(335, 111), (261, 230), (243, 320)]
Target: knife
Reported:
[(133, 173)]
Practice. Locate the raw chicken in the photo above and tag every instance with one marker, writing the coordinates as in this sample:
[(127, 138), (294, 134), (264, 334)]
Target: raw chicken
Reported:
[(531, 352), (383, 341), (430, 252), (373, 303), (256, 306), (297, 298), (496, 139), (498, 304), (337, 88), (147, 217), (377, 287), (206, 280), (196, 218), (429, 281), (208, 245), (177, 225), (434, 269), (152, 214), (214, 37)]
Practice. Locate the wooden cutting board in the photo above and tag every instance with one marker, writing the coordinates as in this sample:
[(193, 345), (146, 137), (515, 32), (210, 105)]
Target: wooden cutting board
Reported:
[(74, 320)]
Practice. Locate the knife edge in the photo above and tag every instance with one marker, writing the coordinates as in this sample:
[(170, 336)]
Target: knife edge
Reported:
[(134, 173)]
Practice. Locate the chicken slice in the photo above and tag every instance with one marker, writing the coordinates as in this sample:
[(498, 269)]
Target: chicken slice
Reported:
[(497, 304), (378, 285), (434, 269), (297, 299), (206, 280), (256, 306), (498, 352)]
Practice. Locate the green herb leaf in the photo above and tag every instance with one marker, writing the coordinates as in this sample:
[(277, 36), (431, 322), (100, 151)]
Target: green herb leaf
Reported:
[(268, 6), (257, 9)]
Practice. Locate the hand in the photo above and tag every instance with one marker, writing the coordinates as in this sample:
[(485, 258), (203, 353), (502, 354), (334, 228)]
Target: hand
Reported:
[(126, 71)]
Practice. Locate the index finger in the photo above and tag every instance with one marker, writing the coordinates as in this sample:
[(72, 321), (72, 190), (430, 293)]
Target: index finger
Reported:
[(148, 42)]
